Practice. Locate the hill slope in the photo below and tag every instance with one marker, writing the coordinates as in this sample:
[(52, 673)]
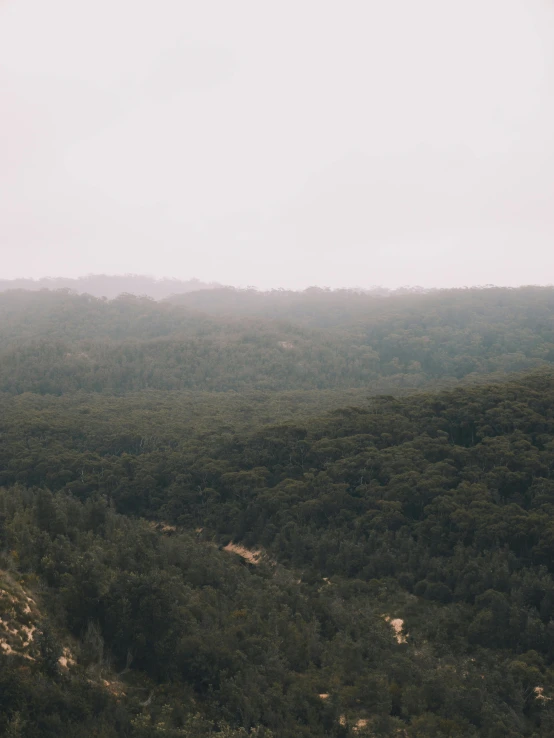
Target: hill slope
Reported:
[(406, 581), (56, 342)]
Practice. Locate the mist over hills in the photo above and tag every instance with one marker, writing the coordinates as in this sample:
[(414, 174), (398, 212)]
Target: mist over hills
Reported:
[(246, 490), (110, 286), (326, 307), (241, 340), (162, 288), (277, 514)]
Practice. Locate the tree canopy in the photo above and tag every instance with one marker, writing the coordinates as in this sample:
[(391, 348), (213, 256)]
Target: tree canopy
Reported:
[(228, 340), (286, 561)]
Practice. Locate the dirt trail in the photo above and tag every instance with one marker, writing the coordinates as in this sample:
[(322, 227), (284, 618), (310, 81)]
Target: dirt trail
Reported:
[(251, 555)]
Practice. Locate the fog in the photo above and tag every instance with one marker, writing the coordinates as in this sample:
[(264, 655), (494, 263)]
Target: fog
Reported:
[(279, 143)]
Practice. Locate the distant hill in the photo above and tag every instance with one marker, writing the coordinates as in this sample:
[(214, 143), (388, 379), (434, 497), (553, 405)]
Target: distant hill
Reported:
[(110, 286), (325, 308), (57, 342)]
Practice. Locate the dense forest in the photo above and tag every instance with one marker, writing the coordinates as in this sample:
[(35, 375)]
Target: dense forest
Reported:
[(231, 340), (196, 539)]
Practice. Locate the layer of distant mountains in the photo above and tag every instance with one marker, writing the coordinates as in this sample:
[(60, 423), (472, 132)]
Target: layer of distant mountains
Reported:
[(111, 286)]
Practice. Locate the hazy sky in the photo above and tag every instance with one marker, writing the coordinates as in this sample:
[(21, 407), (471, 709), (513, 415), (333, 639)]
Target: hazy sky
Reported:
[(279, 142)]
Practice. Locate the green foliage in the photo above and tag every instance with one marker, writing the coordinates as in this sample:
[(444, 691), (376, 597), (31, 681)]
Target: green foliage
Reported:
[(229, 340), (433, 514), (435, 509)]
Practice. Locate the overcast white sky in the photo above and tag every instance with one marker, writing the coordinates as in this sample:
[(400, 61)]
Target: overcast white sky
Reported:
[(279, 142)]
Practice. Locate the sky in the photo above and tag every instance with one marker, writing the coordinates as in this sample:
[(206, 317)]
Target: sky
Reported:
[(290, 143)]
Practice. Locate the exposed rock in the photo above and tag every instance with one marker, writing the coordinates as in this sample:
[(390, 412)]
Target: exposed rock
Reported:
[(67, 659), (397, 625)]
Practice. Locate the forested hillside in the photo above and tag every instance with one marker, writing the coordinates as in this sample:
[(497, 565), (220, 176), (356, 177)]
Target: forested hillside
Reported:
[(216, 521), (222, 340), (433, 512)]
